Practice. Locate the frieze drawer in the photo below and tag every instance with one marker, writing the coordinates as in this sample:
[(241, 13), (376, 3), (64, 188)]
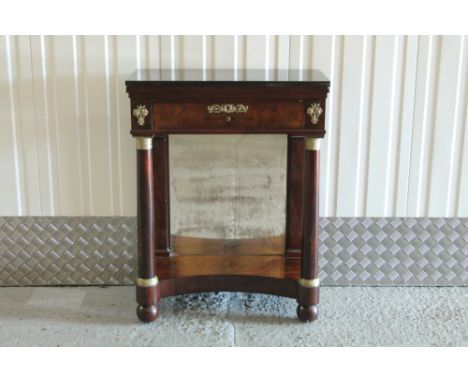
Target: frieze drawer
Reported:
[(186, 117)]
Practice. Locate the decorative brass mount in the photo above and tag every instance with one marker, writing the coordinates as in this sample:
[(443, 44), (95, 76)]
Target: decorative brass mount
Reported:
[(144, 143), (147, 282), (140, 112), (314, 110), (312, 283), (312, 144), (227, 108)]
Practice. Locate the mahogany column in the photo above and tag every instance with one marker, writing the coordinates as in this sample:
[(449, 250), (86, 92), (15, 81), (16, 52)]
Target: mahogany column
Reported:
[(308, 287), (147, 288)]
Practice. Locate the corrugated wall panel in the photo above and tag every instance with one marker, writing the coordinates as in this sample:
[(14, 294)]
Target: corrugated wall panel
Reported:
[(223, 54), (192, 53), (348, 134), (59, 100), (397, 117), (446, 128), (405, 126), (95, 62), (12, 201), (126, 59), (82, 124), (8, 165), (254, 53), (384, 112), (282, 55), (460, 177), (28, 129), (330, 156), (423, 125), (462, 201), (48, 133)]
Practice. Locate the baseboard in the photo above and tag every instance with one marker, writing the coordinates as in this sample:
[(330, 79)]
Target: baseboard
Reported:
[(353, 251)]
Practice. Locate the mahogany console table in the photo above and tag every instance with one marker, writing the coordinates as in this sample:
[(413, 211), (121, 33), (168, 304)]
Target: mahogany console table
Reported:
[(182, 102)]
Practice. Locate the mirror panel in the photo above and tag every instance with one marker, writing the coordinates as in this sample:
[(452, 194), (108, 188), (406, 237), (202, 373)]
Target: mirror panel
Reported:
[(228, 194)]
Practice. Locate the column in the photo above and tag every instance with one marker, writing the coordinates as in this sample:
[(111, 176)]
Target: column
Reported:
[(308, 288), (147, 288)]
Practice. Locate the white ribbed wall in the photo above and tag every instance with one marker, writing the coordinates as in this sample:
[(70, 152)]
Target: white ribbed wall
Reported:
[(397, 118)]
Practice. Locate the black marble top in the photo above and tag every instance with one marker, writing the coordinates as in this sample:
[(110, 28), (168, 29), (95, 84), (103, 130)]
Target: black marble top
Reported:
[(166, 76)]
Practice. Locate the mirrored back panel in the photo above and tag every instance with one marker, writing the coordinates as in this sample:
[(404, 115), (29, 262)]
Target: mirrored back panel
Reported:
[(228, 194)]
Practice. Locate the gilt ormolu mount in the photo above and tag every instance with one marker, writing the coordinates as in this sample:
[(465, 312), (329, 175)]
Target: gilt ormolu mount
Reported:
[(181, 102)]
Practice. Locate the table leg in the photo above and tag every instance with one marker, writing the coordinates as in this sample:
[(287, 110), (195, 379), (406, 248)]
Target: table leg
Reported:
[(147, 288), (308, 288)]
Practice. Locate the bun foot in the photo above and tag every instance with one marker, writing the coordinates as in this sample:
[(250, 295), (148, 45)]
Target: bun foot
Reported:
[(147, 313), (307, 313)]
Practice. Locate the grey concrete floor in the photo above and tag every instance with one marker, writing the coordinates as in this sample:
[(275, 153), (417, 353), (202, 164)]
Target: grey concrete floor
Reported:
[(349, 316)]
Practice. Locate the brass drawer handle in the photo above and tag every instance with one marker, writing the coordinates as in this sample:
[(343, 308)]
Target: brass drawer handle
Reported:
[(314, 110), (227, 108)]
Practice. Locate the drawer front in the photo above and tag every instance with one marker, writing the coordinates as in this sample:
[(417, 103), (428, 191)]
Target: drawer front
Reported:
[(227, 116)]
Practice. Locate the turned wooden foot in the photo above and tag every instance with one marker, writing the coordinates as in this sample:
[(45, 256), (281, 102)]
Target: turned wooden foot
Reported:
[(147, 313), (147, 296), (307, 313)]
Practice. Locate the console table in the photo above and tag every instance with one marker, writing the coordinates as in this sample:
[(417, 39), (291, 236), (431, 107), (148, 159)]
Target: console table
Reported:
[(167, 102)]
